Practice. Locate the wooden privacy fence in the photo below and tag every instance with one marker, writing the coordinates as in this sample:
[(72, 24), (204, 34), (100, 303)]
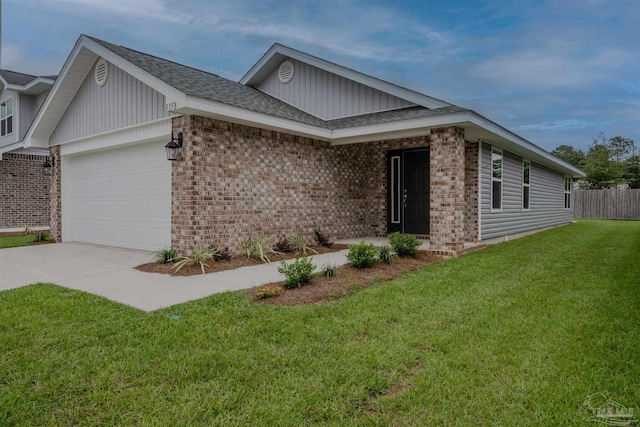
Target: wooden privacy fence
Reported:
[(607, 204)]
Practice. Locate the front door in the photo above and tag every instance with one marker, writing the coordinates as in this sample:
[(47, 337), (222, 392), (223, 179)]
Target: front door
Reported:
[(408, 191)]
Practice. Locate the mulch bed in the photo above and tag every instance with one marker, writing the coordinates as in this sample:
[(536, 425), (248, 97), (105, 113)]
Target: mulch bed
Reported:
[(235, 262), (348, 279)]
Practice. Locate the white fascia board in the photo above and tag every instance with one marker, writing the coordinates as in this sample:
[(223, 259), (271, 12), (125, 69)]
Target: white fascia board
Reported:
[(42, 141), (28, 88), (235, 114), (538, 153), (11, 147), (403, 128), (278, 52), (153, 130)]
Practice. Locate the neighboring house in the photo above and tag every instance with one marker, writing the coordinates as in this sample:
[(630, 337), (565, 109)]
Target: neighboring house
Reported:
[(24, 189), (298, 143)]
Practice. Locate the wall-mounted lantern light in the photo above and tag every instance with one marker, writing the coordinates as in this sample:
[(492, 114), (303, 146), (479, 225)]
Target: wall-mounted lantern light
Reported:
[(173, 146), (48, 164)]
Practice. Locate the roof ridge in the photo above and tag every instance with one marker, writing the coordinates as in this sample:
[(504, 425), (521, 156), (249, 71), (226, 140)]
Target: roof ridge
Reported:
[(103, 42)]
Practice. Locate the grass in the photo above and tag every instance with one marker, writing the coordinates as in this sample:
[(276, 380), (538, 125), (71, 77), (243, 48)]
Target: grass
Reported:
[(517, 334), (14, 241)]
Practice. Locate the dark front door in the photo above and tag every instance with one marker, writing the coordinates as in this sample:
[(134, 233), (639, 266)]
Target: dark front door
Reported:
[(408, 191)]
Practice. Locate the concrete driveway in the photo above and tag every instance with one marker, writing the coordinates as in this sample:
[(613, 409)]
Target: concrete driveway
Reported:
[(109, 272)]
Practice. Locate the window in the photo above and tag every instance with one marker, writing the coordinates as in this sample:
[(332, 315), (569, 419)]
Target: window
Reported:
[(496, 178), (567, 192), (6, 117), (526, 183)]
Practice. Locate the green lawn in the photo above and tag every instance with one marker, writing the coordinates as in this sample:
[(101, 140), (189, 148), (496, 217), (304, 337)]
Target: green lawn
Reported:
[(517, 334), (13, 241)]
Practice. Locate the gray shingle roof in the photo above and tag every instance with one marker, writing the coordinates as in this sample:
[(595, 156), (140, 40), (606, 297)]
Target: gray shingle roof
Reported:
[(15, 78), (202, 84)]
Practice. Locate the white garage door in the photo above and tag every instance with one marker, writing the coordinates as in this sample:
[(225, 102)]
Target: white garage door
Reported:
[(120, 197)]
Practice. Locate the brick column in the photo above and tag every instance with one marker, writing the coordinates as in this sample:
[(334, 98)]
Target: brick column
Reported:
[(447, 201), (56, 193)]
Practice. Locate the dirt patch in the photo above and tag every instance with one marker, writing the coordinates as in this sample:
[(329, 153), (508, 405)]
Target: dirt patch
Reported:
[(349, 279), (235, 262)]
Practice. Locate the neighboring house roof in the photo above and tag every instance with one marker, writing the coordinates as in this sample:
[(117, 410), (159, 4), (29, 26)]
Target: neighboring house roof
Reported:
[(191, 91), (26, 83)]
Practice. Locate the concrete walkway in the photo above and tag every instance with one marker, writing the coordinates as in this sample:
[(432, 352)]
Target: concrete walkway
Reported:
[(109, 272)]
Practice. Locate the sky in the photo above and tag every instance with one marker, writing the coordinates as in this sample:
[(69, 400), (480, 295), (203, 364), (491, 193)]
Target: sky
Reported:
[(554, 72)]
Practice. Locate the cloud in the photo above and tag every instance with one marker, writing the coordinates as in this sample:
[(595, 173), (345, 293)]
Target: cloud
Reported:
[(17, 58), (552, 67)]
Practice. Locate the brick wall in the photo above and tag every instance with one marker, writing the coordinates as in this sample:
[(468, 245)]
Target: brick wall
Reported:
[(56, 200), (24, 191), (447, 231), (231, 180), (471, 193)]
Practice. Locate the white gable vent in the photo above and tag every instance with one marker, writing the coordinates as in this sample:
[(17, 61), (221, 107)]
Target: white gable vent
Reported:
[(101, 72), (285, 73)]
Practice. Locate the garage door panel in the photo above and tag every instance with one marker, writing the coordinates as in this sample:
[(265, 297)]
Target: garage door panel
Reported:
[(122, 197)]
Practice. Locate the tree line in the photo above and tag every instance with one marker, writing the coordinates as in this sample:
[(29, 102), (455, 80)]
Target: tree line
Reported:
[(608, 163)]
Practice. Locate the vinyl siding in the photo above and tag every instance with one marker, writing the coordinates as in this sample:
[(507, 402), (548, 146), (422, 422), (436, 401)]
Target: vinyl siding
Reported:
[(27, 113), (327, 95), (122, 102), (546, 198), (40, 99)]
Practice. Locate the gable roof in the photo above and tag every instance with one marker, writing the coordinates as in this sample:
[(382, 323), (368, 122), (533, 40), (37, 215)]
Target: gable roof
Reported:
[(277, 53), (191, 91), (26, 83)]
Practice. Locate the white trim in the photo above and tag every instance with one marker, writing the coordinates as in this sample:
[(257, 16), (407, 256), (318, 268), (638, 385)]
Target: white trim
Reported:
[(479, 190), (569, 192), (500, 180), (526, 184), (155, 129), (395, 186), (278, 52), (12, 115)]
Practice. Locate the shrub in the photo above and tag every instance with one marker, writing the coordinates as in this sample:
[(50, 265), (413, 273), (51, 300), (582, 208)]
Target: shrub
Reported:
[(199, 256), (386, 254), (220, 254), (259, 246), (42, 236), (404, 245), (329, 269), (283, 245), (297, 272), (362, 255), (166, 256), (322, 239), (297, 240), (269, 291)]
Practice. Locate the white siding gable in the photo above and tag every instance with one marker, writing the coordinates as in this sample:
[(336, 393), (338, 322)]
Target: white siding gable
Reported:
[(122, 102), (327, 95)]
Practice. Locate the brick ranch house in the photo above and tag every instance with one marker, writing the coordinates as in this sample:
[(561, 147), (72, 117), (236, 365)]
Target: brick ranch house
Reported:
[(24, 189), (298, 143)]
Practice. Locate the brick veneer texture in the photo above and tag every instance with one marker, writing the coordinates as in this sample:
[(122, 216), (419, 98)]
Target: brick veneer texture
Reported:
[(447, 198), (56, 200), (471, 192), (24, 191), (232, 180)]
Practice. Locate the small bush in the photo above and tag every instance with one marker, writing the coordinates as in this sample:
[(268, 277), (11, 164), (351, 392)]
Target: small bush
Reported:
[(259, 246), (283, 245), (386, 254), (297, 272), (329, 269), (269, 291), (299, 244), (322, 239), (42, 236), (166, 256), (404, 245), (220, 254), (199, 256), (362, 255)]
